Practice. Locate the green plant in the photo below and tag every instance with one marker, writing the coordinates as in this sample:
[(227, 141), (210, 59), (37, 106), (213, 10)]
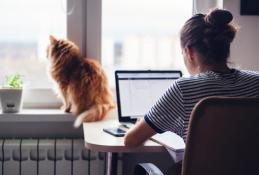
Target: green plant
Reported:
[(14, 81)]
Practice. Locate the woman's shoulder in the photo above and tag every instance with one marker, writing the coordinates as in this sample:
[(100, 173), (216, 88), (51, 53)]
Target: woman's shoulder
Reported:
[(249, 72), (193, 78), (214, 77), (211, 77), (187, 82)]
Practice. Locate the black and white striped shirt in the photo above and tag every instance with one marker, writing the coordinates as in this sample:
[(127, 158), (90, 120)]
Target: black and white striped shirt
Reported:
[(172, 110)]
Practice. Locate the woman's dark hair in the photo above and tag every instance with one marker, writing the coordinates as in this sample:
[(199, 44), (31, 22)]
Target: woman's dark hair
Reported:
[(210, 35)]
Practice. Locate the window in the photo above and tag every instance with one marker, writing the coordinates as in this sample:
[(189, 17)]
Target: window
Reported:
[(24, 30), (130, 34), (24, 34), (143, 34)]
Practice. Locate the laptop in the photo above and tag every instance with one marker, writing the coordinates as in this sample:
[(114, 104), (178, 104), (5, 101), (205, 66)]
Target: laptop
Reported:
[(138, 90)]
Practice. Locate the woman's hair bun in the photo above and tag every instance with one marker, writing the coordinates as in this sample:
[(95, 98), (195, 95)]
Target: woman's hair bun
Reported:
[(218, 17)]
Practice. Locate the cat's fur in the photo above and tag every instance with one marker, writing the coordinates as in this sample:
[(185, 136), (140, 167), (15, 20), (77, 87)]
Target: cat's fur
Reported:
[(81, 81)]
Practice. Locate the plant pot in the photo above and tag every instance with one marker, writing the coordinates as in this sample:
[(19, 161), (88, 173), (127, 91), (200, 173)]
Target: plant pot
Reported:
[(11, 100)]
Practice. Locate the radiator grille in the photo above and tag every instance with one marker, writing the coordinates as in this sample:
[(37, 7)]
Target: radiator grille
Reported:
[(49, 157)]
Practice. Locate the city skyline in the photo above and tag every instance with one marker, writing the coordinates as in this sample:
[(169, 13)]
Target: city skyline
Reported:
[(136, 34)]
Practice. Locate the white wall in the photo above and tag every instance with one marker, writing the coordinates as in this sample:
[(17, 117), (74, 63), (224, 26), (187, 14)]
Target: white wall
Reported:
[(245, 48)]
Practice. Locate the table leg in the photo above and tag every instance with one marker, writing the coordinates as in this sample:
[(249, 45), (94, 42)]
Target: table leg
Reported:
[(112, 161)]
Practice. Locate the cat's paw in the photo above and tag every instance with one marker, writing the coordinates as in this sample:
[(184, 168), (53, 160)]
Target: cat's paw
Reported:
[(65, 108)]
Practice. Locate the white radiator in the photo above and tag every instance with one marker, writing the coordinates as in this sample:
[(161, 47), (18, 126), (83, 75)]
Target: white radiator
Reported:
[(49, 157)]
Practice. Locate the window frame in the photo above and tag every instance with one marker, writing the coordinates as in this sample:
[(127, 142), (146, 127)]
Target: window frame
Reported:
[(83, 28)]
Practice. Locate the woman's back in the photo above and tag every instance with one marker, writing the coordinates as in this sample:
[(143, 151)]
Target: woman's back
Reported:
[(234, 83), (186, 92)]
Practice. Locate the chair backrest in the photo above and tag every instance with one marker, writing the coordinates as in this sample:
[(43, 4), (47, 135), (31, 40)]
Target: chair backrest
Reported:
[(223, 137)]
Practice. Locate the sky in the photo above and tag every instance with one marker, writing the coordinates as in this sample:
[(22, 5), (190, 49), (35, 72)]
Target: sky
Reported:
[(30, 19), (144, 16)]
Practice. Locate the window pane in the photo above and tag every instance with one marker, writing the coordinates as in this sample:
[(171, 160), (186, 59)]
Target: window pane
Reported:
[(143, 34), (24, 32)]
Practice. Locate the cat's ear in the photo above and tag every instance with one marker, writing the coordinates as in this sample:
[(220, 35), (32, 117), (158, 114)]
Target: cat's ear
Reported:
[(52, 39)]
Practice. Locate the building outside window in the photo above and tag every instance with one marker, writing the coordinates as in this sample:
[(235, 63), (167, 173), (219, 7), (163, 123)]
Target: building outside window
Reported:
[(143, 34)]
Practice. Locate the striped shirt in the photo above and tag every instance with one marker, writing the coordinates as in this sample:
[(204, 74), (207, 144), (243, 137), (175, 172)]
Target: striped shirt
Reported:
[(172, 110)]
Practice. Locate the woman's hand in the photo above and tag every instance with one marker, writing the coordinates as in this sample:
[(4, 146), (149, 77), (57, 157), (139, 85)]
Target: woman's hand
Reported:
[(138, 134)]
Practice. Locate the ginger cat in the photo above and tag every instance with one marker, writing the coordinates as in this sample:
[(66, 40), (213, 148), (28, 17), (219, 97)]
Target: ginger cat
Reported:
[(81, 81)]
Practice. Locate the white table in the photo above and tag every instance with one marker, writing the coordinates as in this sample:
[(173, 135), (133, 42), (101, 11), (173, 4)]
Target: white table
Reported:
[(98, 140)]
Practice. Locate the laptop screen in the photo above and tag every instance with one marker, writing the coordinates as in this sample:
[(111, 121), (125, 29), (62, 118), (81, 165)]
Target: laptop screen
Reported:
[(137, 91)]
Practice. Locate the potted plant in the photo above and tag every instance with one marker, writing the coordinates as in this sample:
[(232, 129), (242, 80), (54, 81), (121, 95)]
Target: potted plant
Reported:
[(11, 94)]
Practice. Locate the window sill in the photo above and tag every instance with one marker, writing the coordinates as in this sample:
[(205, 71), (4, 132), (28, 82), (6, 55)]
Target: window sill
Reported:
[(38, 123), (38, 115)]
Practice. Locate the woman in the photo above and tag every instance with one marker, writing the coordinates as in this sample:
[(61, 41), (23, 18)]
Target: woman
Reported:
[(205, 42)]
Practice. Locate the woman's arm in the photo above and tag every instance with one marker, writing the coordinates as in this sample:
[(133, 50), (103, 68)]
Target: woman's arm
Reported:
[(138, 134)]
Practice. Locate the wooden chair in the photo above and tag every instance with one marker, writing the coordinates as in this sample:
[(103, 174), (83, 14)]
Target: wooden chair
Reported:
[(223, 138)]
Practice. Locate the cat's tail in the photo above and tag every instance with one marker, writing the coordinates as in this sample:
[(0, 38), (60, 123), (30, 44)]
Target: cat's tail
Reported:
[(95, 113)]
